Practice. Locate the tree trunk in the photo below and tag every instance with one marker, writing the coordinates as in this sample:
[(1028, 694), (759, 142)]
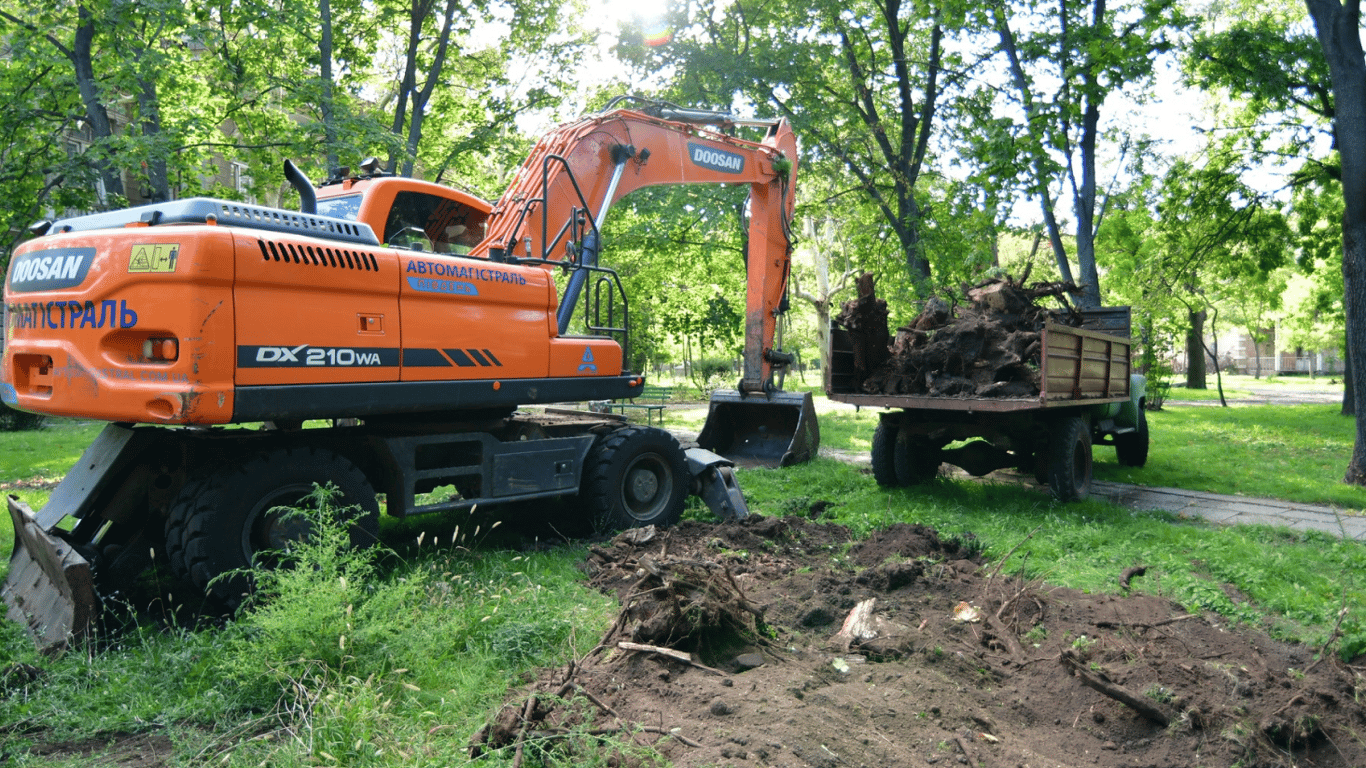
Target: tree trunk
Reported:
[(1085, 199), (1338, 27), (1195, 351), (82, 60), (327, 107), (1349, 406), (158, 182)]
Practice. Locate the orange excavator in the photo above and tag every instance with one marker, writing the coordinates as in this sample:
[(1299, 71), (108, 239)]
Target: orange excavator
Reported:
[(382, 339)]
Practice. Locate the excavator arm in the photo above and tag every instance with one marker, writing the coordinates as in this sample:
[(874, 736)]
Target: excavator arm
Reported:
[(559, 198), (575, 173)]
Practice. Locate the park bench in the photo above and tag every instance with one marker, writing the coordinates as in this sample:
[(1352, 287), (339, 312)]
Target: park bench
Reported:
[(653, 400)]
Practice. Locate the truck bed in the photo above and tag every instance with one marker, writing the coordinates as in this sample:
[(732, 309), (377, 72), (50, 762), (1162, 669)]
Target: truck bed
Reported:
[(1080, 366)]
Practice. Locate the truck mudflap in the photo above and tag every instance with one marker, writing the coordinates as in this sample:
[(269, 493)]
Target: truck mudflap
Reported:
[(50, 588), (777, 429)]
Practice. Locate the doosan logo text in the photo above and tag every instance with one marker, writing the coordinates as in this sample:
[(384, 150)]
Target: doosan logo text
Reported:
[(50, 269), (716, 159)]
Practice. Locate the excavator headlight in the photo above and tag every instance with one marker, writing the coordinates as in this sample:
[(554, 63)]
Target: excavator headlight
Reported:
[(161, 350)]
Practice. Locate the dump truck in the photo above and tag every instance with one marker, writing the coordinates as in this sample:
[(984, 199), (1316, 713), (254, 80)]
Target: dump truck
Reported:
[(386, 337), (1087, 395)]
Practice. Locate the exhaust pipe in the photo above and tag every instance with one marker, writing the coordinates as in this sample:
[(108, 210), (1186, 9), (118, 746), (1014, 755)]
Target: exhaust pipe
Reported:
[(308, 199)]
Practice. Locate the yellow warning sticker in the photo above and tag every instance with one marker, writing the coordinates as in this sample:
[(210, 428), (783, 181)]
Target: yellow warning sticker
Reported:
[(154, 257)]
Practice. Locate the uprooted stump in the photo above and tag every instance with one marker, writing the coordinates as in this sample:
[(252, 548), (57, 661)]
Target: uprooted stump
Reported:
[(675, 599), (986, 347), (670, 606)]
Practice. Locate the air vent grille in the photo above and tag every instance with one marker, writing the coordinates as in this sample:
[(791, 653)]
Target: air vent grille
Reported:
[(202, 210), (318, 256), (273, 218)]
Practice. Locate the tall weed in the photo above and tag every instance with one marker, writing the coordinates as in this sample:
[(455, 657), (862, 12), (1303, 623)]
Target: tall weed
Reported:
[(364, 658)]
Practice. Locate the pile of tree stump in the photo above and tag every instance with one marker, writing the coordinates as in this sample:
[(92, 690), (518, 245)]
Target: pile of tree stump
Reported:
[(984, 344)]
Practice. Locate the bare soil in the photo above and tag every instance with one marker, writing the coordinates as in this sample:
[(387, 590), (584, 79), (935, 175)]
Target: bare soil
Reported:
[(773, 642)]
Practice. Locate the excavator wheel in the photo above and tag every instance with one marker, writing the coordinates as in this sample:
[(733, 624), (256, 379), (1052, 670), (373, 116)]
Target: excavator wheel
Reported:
[(635, 477), (223, 522)]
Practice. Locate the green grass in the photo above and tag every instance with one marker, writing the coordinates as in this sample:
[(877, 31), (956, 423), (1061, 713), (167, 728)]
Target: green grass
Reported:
[(1239, 387), (360, 659), (396, 661), (34, 456), (1293, 452)]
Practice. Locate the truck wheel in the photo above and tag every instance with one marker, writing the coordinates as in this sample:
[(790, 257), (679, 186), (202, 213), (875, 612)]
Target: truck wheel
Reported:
[(917, 460), (884, 455), (224, 523), (1069, 459), (1131, 449), (635, 477)]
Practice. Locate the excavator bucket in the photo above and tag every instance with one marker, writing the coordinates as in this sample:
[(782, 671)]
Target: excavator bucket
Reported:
[(49, 588), (777, 429)]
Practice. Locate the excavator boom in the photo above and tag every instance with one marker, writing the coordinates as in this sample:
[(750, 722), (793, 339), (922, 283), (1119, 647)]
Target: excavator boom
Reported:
[(560, 196)]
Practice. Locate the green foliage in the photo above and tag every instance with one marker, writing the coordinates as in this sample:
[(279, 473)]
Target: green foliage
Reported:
[(12, 420), (861, 84), (711, 373), (357, 656), (1276, 112), (1064, 60)]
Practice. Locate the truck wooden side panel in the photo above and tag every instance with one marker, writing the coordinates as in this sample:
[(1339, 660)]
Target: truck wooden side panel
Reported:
[(1083, 365)]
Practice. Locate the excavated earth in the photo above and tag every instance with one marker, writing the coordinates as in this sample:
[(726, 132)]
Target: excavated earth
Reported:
[(772, 642), (777, 642)]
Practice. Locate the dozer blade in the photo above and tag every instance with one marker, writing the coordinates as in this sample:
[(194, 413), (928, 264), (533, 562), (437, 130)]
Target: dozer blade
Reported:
[(755, 430), (49, 588)]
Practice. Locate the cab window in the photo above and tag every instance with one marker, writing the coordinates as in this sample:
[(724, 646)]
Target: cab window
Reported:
[(429, 222)]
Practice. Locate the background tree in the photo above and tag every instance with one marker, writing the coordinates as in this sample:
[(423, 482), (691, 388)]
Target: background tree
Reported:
[(1220, 238), (863, 84), (1074, 56), (1338, 28)]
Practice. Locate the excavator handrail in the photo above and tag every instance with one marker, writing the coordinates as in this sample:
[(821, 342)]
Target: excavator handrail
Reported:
[(527, 205)]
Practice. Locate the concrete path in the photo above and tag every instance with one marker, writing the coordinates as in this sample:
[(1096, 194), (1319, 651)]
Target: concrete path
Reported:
[(1234, 510)]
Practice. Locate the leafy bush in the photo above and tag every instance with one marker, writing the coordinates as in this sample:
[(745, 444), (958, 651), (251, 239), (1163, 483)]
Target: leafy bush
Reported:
[(711, 373), (19, 421)]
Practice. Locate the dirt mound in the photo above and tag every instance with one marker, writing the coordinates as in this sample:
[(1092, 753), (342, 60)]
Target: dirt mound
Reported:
[(987, 346), (774, 642)]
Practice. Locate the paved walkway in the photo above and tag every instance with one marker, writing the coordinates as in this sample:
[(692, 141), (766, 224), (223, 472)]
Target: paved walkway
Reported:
[(1233, 510)]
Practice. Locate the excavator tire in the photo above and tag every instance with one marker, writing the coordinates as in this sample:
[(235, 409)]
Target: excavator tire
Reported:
[(175, 530), (635, 477), (222, 523)]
